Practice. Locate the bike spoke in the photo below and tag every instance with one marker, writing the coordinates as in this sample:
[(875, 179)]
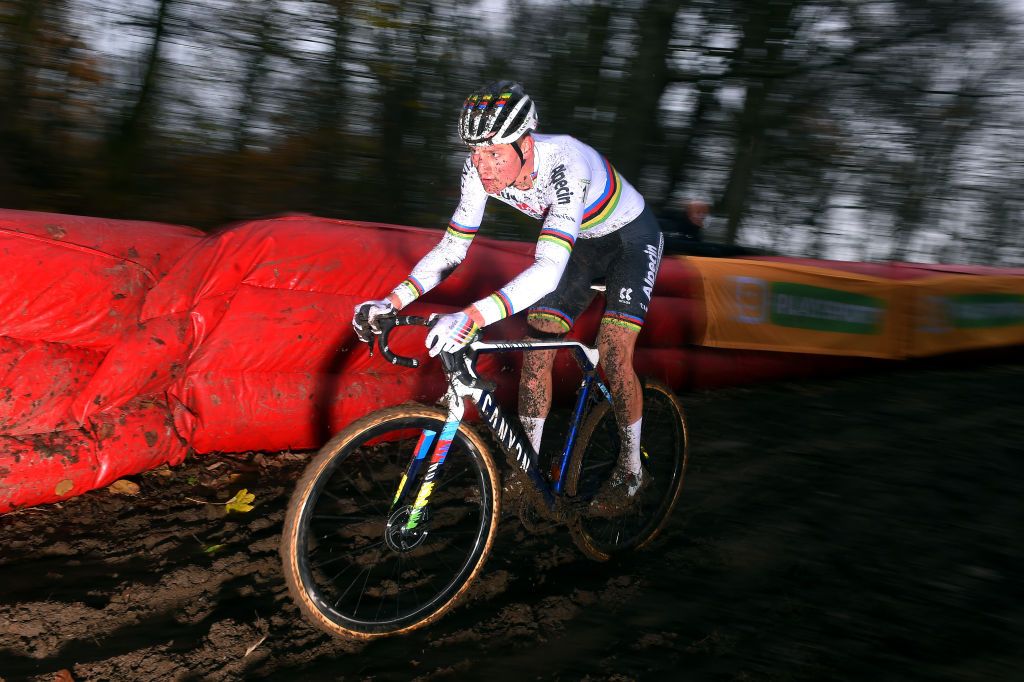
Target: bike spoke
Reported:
[(365, 569)]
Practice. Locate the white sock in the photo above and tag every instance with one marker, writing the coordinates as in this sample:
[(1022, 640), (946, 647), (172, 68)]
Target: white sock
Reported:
[(534, 427), (632, 446)]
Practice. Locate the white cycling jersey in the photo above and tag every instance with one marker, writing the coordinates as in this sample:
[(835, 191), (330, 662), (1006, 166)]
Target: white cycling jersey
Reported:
[(577, 194)]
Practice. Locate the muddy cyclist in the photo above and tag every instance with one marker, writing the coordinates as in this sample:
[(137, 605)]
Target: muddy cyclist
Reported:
[(595, 226)]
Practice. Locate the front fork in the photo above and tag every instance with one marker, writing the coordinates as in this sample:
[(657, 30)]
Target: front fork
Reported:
[(437, 446)]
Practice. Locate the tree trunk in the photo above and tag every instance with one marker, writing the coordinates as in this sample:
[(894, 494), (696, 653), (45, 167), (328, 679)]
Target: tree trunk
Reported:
[(764, 33), (637, 123), (680, 155), (125, 148)]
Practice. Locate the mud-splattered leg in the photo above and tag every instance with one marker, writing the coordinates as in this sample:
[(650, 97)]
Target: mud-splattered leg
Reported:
[(535, 384), (616, 345)]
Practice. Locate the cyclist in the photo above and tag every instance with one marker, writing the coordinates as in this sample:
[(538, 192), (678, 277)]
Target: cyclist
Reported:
[(595, 226)]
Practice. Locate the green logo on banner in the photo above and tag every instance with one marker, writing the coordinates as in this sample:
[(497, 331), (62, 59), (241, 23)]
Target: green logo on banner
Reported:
[(829, 310), (975, 311)]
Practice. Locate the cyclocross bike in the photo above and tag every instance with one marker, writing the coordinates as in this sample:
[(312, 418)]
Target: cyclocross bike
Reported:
[(393, 519)]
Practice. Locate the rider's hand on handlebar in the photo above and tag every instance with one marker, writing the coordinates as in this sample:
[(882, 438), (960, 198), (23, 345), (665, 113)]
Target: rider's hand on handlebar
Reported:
[(450, 333), (365, 317)]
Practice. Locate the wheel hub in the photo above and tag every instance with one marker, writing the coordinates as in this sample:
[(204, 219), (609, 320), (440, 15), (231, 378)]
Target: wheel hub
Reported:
[(402, 539)]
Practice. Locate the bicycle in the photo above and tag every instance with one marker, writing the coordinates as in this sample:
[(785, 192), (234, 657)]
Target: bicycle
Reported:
[(394, 518)]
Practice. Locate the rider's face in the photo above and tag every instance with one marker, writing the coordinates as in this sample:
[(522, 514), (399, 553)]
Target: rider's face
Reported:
[(498, 166)]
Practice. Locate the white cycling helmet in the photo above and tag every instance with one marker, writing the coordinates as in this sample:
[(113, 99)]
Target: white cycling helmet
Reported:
[(499, 113)]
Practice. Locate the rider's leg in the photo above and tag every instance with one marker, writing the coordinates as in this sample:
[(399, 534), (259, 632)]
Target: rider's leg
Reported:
[(535, 381), (616, 343)]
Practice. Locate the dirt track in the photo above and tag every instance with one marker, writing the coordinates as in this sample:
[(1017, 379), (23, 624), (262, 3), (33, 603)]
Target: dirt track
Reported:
[(864, 528)]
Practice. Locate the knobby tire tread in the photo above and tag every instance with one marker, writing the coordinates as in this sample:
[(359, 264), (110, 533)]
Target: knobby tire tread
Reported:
[(580, 536), (290, 551)]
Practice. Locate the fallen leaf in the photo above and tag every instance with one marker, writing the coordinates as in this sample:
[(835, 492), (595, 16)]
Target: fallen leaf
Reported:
[(240, 502), (253, 647), (213, 548), (164, 471), (64, 487), (123, 486)]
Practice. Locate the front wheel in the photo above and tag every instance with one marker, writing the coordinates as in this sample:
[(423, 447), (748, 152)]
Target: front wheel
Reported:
[(354, 562), (664, 449)]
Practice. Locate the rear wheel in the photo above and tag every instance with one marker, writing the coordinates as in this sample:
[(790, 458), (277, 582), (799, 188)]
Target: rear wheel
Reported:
[(351, 561), (664, 452)]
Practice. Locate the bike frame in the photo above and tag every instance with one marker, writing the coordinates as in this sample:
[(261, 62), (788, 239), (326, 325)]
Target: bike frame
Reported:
[(433, 447)]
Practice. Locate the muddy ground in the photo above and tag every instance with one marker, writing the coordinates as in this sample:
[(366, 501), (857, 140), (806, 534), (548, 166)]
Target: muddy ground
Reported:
[(865, 528)]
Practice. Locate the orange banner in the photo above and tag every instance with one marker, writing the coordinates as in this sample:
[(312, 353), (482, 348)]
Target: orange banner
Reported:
[(961, 312), (799, 309)]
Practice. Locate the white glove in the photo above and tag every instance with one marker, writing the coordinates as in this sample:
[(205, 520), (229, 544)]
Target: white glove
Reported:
[(450, 333), (365, 317)]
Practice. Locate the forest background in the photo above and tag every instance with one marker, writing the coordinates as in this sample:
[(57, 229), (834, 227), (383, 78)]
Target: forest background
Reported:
[(851, 129)]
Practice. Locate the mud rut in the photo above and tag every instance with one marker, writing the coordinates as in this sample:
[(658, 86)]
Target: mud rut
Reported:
[(865, 528)]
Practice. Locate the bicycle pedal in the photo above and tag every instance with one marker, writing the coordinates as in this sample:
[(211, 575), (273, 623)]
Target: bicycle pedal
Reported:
[(575, 505)]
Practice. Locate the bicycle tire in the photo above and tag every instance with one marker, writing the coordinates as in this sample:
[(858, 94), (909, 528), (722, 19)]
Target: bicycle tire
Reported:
[(665, 448), (340, 516)]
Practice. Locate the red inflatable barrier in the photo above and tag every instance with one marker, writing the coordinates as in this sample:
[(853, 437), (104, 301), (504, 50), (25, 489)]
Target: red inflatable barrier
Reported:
[(72, 288), (149, 356), (253, 329), (49, 467), (81, 281), (122, 343), (38, 382)]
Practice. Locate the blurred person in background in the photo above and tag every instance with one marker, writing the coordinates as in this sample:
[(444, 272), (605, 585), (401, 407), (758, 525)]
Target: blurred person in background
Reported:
[(684, 229), (596, 226)]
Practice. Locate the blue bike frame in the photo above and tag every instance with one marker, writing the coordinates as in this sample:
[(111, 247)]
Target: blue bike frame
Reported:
[(464, 383)]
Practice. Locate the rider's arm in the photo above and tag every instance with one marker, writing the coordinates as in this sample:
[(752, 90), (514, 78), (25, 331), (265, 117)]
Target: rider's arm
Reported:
[(557, 237), (451, 250)]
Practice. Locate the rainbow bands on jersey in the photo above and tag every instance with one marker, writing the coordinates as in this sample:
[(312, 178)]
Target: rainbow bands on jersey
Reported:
[(500, 299), (630, 322), (413, 285), (602, 207), (562, 239), (462, 231), (552, 314)]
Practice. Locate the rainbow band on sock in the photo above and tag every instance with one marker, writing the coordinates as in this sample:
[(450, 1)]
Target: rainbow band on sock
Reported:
[(551, 314), (501, 299), (602, 207), (553, 236), (413, 285), (462, 231), (629, 322)]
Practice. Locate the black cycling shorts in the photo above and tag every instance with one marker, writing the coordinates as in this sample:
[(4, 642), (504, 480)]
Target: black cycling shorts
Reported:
[(626, 260)]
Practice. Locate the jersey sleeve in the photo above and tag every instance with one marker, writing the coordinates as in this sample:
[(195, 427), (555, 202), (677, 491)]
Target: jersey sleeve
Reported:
[(451, 250), (567, 189)]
